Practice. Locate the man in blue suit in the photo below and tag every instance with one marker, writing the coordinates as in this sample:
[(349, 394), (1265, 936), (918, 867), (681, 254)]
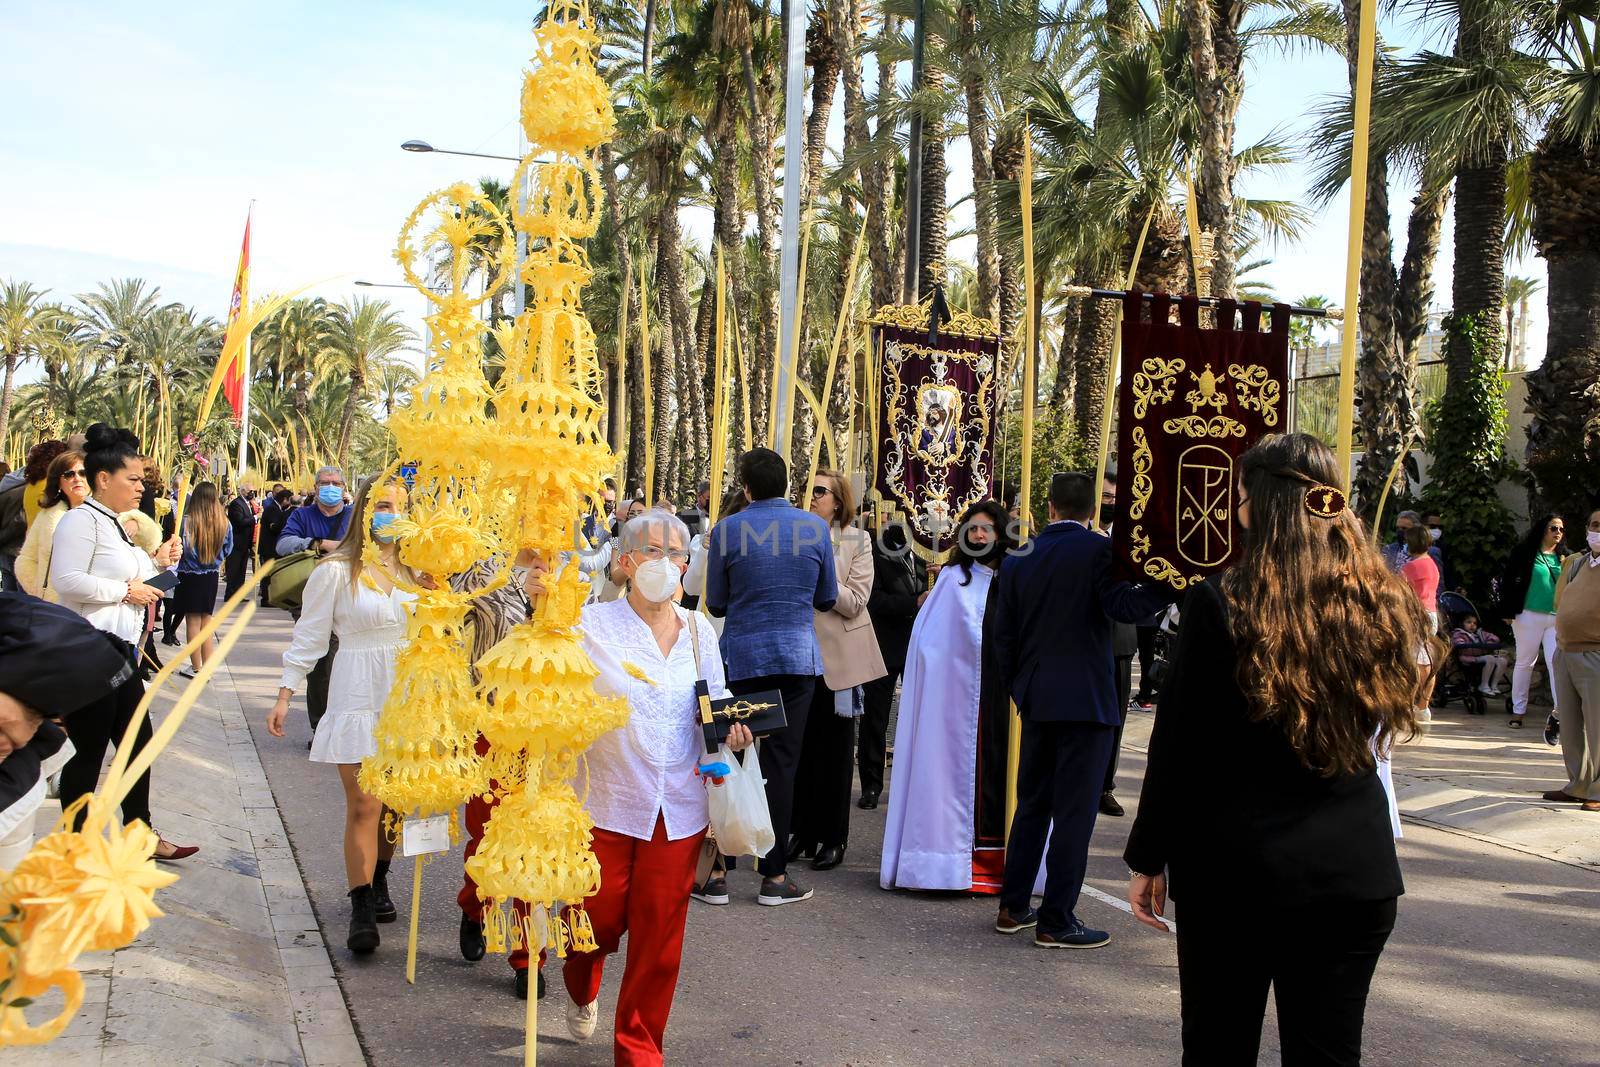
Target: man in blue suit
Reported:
[(1053, 641)]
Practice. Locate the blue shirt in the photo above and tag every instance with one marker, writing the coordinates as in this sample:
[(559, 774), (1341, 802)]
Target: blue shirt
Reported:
[(190, 563), (768, 568), (308, 524)]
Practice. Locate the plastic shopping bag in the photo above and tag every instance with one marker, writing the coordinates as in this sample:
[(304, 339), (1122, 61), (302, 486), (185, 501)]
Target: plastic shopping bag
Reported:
[(739, 816)]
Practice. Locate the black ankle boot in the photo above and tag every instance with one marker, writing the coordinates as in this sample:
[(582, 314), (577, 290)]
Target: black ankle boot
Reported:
[(383, 906), (363, 937)]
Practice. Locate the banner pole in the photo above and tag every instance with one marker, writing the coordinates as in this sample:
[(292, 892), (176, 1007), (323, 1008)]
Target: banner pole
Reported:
[(1029, 387), (1359, 143), (1111, 371)]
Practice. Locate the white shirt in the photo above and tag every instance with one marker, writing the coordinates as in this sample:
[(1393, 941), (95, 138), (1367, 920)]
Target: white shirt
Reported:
[(91, 563), (646, 768)]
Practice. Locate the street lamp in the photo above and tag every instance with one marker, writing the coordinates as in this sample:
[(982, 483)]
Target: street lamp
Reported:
[(415, 145)]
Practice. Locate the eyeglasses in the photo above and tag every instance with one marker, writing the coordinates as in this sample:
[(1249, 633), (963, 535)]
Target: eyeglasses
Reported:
[(77, 474), (1556, 529), (820, 491), (653, 553)]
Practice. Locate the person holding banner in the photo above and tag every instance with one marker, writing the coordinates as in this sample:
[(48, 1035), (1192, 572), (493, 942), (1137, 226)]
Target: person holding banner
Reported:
[(1255, 691)]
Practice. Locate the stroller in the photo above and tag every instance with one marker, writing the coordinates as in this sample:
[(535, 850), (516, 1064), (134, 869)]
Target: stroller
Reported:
[(1458, 680)]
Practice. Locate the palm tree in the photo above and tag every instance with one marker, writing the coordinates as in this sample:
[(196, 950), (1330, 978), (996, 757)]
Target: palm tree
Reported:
[(362, 336), (1519, 291), (115, 309), (27, 325), (395, 381), (291, 346)]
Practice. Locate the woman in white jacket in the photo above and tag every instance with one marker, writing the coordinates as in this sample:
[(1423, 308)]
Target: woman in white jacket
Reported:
[(98, 572), (65, 487)]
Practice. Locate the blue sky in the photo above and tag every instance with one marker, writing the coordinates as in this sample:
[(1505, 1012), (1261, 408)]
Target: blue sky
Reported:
[(139, 135)]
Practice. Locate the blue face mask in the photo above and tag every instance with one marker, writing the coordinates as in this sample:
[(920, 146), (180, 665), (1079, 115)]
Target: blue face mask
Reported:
[(380, 521), (330, 495)]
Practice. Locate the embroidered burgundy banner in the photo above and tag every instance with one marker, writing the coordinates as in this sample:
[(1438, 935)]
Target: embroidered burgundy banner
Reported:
[(935, 423), (1190, 401)]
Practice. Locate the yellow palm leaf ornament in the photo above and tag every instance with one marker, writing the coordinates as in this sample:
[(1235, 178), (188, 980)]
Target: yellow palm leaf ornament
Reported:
[(549, 458)]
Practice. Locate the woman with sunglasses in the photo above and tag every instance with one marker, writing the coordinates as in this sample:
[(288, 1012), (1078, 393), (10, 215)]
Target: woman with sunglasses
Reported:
[(1528, 606), (65, 487)]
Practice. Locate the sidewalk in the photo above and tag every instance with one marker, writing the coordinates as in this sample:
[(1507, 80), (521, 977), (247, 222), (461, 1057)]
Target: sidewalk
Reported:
[(236, 970), (1470, 774)]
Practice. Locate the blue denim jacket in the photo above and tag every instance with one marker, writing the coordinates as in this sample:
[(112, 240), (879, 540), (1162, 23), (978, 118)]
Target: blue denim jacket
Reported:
[(767, 569), (191, 563)]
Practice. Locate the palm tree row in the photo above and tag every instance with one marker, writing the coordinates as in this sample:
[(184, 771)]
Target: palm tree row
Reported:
[(325, 376)]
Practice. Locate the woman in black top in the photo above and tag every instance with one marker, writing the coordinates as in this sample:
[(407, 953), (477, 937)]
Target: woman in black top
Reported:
[(1291, 671)]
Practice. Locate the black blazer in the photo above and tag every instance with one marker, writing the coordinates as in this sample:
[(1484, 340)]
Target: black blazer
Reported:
[(898, 579), (1226, 802), (1057, 599), (273, 518)]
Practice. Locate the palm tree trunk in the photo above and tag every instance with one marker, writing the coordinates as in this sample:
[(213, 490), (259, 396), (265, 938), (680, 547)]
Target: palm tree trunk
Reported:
[(647, 43), (761, 131), (823, 58), (624, 252), (1217, 58), (347, 418), (1006, 159), (6, 393), (1564, 392), (934, 222), (881, 239), (978, 138)]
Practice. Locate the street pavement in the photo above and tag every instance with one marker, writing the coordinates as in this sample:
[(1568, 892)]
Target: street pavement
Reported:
[(1493, 960)]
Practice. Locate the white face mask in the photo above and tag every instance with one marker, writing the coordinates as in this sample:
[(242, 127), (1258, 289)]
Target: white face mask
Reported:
[(1594, 542), (657, 580), (1434, 533)]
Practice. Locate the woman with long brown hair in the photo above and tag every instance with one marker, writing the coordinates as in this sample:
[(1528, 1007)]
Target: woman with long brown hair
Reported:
[(364, 606), (207, 540), (1293, 671)]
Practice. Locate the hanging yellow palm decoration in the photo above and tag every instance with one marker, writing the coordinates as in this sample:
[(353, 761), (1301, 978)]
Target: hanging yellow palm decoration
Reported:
[(549, 458)]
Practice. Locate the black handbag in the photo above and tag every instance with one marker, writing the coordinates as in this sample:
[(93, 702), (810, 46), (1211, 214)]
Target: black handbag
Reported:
[(761, 712)]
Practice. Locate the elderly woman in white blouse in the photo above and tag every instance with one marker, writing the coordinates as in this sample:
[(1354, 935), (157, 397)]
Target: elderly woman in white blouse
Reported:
[(649, 808), (365, 607)]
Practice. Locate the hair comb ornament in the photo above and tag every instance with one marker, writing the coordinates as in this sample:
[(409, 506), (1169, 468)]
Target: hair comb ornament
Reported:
[(1325, 501)]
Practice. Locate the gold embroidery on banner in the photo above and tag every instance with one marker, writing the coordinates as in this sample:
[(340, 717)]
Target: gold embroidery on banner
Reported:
[(1206, 392), (1257, 392), (915, 317), (1204, 520), (1154, 383), (1143, 460), (1197, 426), (1138, 544), (1162, 570)]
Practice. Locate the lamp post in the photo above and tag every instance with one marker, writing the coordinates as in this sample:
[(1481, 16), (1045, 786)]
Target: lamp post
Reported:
[(427, 333), (416, 145)]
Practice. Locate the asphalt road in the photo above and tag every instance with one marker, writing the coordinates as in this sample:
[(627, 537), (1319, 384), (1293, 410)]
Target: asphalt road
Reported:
[(1495, 958)]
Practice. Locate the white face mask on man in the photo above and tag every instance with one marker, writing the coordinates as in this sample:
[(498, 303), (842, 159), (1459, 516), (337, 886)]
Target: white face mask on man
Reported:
[(657, 579), (1594, 542)]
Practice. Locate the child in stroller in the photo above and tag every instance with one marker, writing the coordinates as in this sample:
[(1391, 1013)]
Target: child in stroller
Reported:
[(1474, 646), (1461, 677)]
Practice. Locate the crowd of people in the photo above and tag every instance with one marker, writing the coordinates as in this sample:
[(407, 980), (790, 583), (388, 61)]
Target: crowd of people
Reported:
[(838, 615)]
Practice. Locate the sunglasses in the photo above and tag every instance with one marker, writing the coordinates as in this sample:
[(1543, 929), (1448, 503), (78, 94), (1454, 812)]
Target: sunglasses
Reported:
[(820, 491), (1556, 529), (75, 473)]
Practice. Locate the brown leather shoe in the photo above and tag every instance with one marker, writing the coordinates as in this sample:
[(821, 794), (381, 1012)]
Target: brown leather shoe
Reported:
[(1591, 805), (1006, 923), (1560, 794)]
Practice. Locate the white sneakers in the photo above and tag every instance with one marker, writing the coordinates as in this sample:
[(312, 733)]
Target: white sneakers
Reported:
[(581, 1019)]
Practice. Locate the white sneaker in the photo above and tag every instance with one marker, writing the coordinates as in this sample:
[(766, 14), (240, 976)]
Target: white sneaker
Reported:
[(581, 1019), (185, 672), (1425, 715)]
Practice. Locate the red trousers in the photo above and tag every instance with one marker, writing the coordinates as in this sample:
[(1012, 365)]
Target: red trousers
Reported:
[(478, 812), (644, 893)]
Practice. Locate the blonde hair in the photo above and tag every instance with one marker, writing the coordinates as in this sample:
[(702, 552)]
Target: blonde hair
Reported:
[(205, 524), (351, 549), (842, 494)]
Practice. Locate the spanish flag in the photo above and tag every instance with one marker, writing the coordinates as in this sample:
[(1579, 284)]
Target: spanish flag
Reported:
[(233, 380)]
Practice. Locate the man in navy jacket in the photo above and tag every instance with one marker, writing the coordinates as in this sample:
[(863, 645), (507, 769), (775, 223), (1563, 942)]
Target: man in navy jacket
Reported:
[(1056, 602)]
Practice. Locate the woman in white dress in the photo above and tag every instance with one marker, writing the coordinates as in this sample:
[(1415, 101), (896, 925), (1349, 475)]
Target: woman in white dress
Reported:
[(361, 605)]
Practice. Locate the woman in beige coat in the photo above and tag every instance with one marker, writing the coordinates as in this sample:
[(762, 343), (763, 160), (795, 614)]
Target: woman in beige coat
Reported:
[(65, 487), (850, 658)]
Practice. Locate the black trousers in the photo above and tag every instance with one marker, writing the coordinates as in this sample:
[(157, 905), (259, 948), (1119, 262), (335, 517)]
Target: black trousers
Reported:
[(317, 684), (1147, 660), (1058, 778), (237, 564), (1124, 667), (91, 729), (1318, 960), (872, 745), (169, 619), (822, 782), (780, 756)]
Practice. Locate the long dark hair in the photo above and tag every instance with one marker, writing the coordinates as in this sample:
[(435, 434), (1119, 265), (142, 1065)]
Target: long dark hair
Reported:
[(1327, 636), (205, 524), (965, 556)]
